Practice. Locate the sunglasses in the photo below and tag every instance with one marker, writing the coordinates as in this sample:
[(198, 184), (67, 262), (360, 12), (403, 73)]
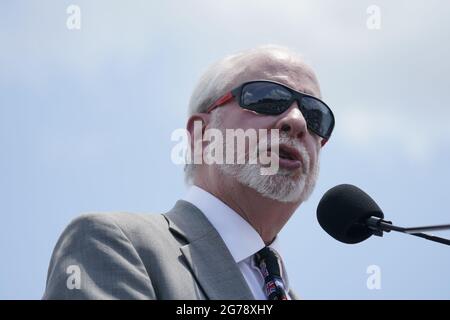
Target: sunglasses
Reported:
[(273, 98)]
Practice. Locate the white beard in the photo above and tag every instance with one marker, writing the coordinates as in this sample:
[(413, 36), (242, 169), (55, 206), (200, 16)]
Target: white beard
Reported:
[(285, 185)]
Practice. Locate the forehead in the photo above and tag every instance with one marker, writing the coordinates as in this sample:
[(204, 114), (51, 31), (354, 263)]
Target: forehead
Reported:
[(298, 76)]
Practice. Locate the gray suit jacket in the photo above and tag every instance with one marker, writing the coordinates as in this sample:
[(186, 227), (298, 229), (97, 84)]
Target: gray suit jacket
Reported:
[(177, 255)]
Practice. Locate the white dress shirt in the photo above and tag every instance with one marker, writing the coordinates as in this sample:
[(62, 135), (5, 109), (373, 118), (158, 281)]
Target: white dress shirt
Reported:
[(239, 236)]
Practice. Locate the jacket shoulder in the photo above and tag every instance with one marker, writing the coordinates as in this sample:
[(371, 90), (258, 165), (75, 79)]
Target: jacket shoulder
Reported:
[(97, 247)]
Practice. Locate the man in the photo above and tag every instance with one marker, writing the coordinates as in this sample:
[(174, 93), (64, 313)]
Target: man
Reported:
[(220, 241)]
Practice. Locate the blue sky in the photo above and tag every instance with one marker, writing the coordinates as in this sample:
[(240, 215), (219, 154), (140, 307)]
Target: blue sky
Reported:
[(86, 117)]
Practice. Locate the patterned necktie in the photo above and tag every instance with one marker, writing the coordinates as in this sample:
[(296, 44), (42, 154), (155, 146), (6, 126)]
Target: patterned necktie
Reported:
[(269, 264)]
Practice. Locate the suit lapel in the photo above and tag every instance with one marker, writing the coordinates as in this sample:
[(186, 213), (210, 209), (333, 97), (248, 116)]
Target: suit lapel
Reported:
[(207, 255)]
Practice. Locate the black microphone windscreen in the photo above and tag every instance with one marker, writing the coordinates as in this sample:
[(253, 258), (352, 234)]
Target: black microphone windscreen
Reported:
[(342, 213)]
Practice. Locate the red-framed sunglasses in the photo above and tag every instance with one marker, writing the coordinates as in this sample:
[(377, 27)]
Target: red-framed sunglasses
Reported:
[(274, 98)]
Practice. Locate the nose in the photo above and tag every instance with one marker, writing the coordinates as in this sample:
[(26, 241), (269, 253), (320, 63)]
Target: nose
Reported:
[(292, 122)]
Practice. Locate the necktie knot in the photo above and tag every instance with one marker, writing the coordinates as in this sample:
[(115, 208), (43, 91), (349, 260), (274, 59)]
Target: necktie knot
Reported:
[(269, 264)]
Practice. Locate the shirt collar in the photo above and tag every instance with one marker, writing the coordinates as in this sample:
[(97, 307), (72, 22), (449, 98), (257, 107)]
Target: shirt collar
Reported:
[(239, 236)]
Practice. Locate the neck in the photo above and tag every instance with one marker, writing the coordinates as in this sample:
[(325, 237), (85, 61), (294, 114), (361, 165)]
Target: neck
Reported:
[(265, 215)]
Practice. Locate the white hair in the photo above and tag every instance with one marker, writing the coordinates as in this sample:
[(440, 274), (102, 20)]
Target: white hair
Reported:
[(227, 73)]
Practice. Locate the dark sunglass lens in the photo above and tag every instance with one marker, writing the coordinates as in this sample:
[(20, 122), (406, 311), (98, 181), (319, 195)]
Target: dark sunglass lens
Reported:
[(318, 116), (265, 97)]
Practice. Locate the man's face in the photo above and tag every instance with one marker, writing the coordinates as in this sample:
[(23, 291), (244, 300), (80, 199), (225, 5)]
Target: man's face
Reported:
[(288, 184)]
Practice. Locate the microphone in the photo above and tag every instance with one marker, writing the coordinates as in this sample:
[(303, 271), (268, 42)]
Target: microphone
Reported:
[(350, 215)]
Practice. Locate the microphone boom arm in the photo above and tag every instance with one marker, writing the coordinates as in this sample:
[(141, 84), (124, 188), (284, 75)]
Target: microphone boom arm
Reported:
[(378, 226)]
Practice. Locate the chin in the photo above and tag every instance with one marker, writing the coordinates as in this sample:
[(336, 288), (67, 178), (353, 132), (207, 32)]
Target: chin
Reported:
[(285, 186)]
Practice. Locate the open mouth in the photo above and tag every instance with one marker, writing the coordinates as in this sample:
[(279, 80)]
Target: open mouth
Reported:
[(289, 157), (285, 155), (289, 153)]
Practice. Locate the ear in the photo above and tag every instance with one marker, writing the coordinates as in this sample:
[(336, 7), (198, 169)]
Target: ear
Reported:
[(204, 118), (194, 122)]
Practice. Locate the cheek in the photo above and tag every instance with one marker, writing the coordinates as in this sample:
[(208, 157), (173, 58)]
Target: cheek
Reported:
[(233, 118), (314, 150), (247, 120)]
